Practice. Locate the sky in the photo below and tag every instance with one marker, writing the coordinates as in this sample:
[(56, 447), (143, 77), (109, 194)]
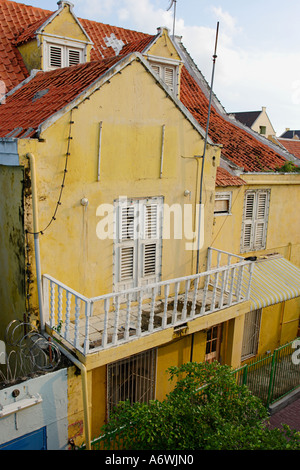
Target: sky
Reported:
[(258, 53)]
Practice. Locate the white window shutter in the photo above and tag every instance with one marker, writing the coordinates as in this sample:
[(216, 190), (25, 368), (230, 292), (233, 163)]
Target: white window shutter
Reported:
[(73, 57), (255, 220), (169, 77), (151, 221), (55, 53), (126, 263), (156, 69), (126, 223), (260, 221), (249, 206), (149, 259)]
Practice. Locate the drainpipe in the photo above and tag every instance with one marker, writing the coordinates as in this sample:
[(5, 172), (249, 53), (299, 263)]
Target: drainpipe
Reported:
[(85, 394), (36, 238), (75, 361), (84, 383)]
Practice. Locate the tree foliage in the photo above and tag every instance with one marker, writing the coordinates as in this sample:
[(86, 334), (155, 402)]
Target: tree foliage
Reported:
[(206, 410)]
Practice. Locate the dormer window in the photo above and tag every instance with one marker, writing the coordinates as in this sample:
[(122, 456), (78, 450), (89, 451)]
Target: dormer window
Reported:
[(58, 55), (167, 72)]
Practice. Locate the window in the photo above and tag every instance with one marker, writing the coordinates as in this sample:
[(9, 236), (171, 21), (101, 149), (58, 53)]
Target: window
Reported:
[(132, 379), (167, 73), (138, 242), (262, 130), (251, 334), (255, 220), (58, 55), (222, 203), (213, 343)]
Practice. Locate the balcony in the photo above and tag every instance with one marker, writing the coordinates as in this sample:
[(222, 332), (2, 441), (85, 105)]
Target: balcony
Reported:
[(94, 324)]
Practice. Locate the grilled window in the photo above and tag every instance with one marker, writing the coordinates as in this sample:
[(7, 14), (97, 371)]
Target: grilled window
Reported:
[(254, 231), (251, 334), (132, 379)]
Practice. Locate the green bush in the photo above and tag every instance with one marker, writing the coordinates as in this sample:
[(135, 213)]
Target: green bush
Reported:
[(206, 410)]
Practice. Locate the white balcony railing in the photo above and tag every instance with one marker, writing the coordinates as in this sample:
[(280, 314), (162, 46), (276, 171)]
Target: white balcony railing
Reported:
[(94, 324)]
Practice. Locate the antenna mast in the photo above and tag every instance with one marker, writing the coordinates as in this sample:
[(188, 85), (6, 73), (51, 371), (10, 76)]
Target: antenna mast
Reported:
[(173, 2), (205, 143)]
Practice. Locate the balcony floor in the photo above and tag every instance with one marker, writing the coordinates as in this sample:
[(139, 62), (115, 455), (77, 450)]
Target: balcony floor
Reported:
[(96, 321)]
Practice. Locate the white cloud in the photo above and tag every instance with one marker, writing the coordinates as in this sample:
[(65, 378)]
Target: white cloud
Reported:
[(245, 79)]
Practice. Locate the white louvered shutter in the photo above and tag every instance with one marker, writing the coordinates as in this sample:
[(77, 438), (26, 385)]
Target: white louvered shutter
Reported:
[(125, 249), (169, 77), (126, 263), (55, 56), (73, 57), (156, 69), (138, 244), (248, 220), (260, 220)]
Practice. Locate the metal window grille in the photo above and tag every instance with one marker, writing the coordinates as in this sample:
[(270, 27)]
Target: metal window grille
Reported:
[(131, 379), (251, 333)]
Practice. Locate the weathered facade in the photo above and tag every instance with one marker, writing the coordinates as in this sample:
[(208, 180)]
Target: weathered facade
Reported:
[(105, 246)]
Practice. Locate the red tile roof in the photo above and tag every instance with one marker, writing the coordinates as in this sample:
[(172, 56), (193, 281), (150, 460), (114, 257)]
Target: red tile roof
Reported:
[(239, 146), (292, 146), (14, 20), (45, 94), (224, 178), (18, 22)]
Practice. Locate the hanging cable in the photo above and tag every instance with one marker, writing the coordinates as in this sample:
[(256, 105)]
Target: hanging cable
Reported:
[(41, 232)]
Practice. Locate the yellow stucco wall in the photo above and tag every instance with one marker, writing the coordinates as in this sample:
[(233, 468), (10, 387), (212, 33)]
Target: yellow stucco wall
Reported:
[(279, 322), (163, 47), (130, 166), (31, 55), (12, 259), (283, 222), (64, 25)]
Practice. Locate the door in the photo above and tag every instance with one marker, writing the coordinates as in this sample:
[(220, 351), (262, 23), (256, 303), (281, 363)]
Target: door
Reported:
[(35, 440), (213, 343)]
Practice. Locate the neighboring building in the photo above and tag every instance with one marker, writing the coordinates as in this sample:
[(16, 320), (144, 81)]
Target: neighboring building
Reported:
[(101, 163), (258, 121), (290, 141), (290, 134)]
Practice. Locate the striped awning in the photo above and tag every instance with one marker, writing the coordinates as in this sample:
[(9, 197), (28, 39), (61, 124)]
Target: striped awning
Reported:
[(274, 280)]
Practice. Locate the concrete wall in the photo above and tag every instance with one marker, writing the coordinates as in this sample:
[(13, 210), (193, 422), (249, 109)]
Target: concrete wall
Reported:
[(52, 412)]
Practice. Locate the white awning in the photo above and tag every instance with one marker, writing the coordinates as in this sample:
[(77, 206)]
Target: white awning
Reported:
[(274, 280)]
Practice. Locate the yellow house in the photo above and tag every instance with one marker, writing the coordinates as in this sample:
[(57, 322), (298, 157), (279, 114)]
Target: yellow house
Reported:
[(105, 245)]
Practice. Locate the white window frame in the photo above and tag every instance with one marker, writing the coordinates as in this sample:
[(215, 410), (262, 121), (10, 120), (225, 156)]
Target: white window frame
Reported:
[(255, 220), (223, 196), (162, 67), (65, 46), (135, 240)]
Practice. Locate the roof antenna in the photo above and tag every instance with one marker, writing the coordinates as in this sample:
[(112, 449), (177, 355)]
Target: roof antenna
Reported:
[(173, 2), (205, 143)]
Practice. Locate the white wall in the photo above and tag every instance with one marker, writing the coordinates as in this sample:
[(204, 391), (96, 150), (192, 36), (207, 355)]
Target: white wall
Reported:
[(52, 412)]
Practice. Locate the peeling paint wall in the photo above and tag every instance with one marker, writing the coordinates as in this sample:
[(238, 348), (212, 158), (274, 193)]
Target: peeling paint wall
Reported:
[(12, 255)]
